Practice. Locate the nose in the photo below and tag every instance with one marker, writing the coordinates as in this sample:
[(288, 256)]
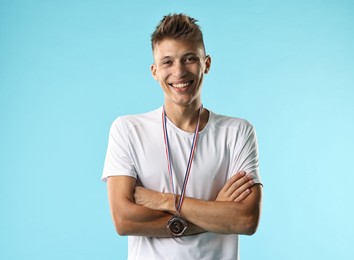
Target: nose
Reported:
[(179, 70)]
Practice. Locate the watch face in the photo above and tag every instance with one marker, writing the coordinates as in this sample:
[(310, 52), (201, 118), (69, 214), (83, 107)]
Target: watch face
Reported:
[(176, 226)]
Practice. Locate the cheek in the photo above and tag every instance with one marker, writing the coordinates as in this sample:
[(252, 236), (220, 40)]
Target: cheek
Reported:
[(162, 79), (164, 75), (200, 75)]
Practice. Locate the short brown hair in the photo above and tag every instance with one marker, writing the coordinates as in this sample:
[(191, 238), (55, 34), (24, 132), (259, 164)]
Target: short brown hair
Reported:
[(179, 27)]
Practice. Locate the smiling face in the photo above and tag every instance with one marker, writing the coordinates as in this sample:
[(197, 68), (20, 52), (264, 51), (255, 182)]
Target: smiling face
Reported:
[(179, 66)]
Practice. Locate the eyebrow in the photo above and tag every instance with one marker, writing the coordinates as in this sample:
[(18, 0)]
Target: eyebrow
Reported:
[(190, 53), (184, 55), (166, 57)]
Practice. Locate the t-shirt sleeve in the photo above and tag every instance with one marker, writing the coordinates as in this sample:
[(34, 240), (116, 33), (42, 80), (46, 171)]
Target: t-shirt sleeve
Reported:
[(118, 161), (246, 156)]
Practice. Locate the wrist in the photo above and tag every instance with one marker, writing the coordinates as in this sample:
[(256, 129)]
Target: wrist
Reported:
[(169, 203)]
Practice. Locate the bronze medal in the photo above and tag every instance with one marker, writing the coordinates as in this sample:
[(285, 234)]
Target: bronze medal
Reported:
[(176, 226)]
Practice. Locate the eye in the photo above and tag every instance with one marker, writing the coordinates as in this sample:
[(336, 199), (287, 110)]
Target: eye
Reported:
[(166, 62), (191, 59)]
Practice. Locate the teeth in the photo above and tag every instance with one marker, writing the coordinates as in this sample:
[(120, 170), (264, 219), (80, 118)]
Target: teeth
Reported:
[(181, 85)]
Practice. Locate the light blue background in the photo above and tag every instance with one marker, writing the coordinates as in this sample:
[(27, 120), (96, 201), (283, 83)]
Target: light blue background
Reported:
[(69, 68)]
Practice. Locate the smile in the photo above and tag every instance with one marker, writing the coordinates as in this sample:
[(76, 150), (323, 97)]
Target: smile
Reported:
[(181, 85)]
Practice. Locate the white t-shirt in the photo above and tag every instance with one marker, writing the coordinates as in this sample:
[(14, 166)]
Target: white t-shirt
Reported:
[(225, 146)]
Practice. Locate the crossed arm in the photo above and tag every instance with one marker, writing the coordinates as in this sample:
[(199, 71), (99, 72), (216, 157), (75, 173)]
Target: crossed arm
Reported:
[(143, 212)]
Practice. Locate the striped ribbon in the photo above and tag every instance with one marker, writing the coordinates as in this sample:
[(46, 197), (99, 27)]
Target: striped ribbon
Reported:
[(169, 159)]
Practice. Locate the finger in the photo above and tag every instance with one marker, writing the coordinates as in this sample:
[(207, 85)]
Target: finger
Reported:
[(243, 195), (240, 190), (137, 190), (237, 184), (233, 179)]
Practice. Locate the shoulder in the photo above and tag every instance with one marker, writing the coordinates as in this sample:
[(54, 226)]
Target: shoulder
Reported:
[(137, 120), (219, 121)]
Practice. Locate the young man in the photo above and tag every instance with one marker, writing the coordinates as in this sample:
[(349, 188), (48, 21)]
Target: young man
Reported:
[(183, 182)]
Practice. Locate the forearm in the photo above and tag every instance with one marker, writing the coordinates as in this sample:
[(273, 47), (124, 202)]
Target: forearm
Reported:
[(140, 221), (135, 220), (219, 216), (132, 219)]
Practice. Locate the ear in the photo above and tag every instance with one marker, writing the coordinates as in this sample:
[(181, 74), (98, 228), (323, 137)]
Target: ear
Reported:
[(207, 64), (153, 71)]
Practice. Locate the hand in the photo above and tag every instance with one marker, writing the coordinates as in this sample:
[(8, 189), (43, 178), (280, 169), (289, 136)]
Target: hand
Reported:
[(237, 188), (153, 199)]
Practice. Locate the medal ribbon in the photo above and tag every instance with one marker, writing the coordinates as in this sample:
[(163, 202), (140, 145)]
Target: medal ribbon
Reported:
[(169, 160)]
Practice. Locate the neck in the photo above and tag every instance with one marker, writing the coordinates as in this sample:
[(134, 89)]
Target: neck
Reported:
[(186, 117)]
